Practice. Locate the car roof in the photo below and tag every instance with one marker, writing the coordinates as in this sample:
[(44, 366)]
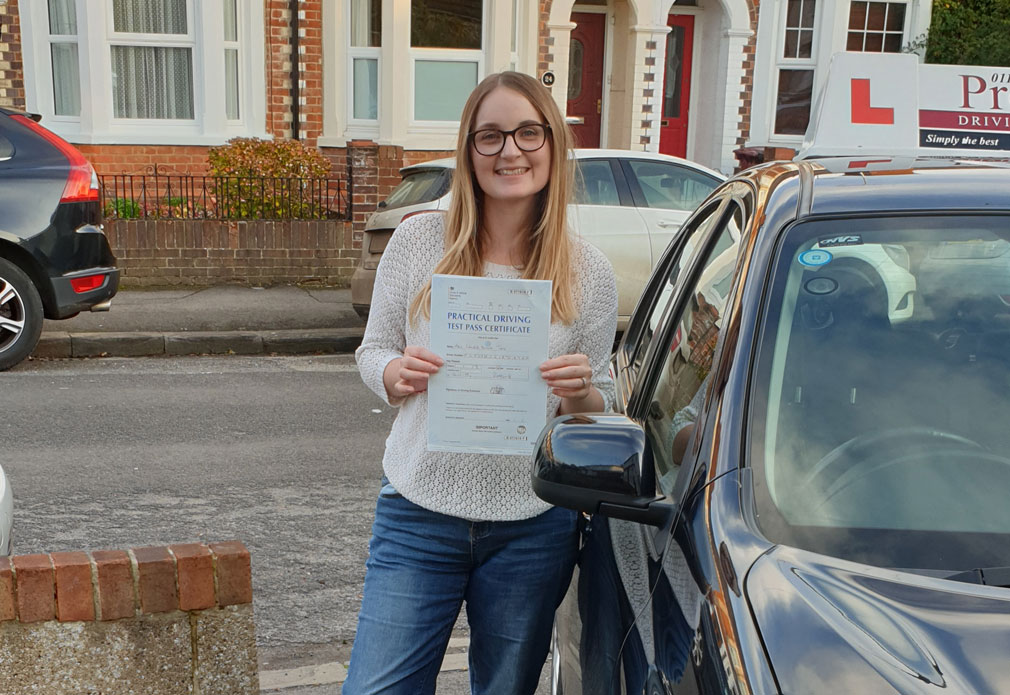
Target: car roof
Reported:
[(881, 184), (582, 153)]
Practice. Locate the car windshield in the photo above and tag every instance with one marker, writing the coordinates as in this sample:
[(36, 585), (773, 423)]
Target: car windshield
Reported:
[(882, 395), (422, 186)]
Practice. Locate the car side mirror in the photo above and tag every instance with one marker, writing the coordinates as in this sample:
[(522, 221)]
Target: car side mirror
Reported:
[(599, 464)]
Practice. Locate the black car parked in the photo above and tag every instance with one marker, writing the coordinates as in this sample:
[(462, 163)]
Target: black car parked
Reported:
[(55, 260), (815, 499)]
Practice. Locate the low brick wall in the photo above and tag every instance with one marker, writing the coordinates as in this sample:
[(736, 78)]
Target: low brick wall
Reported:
[(169, 620), (159, 253)]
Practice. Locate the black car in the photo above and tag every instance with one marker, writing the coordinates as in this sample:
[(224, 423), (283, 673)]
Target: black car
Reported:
[(812, 496), (55, 260)]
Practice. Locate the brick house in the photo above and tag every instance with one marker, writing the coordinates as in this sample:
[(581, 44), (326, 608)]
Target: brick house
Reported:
[(377, 84)]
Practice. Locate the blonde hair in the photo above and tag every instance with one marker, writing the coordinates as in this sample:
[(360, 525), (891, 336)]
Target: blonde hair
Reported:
[(549, 245)]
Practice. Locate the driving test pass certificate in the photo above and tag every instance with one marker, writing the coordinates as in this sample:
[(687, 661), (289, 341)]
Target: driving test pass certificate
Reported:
[(492, 333)]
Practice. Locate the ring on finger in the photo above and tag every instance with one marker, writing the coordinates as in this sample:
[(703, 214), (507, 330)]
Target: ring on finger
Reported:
[(584, 382)]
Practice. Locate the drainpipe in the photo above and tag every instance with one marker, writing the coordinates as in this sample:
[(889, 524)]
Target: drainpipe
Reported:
[(295, 74)]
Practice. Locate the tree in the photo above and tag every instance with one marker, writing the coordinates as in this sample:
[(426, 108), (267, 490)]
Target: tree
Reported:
[(968, 32)]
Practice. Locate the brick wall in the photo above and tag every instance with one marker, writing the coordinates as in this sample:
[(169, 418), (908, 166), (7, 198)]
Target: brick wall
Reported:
[(12, 76), (169, 620), (279, 62), (159, 253), (141, 159)]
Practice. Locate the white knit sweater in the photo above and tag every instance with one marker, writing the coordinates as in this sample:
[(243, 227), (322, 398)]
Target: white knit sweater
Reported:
[(479, 487)]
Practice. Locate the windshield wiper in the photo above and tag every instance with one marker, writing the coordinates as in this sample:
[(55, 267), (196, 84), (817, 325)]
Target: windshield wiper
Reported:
[(987, 576)]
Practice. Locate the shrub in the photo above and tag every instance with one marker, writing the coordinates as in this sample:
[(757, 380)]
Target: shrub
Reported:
[(267, 178), (123, 208), (283, 159)]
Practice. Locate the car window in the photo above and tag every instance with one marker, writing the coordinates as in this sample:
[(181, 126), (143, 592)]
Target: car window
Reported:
[(595, 183), (418, 187), (647, 319), (880, 401), (671, 186), (683, 375)]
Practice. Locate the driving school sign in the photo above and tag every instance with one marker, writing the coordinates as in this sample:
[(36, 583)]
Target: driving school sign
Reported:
[(891, 104)]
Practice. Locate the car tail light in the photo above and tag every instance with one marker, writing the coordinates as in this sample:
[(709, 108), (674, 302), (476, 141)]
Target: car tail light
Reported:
[(676, 339), (87, 283), (82, 184)]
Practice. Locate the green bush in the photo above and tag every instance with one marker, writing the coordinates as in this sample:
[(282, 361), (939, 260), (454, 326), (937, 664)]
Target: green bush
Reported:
[(267, 179), (968, 32)]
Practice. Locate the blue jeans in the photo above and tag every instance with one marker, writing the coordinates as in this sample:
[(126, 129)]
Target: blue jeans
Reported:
[(422, 565)]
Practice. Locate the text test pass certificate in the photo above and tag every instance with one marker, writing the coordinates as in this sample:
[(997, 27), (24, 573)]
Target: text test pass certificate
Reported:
[(488, 397)]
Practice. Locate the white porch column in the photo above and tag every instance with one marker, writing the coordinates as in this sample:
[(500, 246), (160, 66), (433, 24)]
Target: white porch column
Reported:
[(736, 40), (561, 32), (648, 42)]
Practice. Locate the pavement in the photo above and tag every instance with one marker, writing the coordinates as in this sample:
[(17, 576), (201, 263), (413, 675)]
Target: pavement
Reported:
[(225, 319)]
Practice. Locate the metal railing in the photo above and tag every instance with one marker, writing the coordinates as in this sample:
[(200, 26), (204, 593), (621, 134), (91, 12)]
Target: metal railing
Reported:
[(184, 197)]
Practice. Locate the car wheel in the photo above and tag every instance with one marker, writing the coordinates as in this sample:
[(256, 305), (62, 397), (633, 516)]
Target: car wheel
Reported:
[(556, 688), (20, 315)]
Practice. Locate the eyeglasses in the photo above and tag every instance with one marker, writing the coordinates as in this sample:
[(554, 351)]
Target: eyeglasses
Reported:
[(528, 138)]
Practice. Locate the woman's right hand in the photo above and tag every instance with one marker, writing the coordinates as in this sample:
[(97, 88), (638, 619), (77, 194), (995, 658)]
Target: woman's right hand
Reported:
[(409, 374)]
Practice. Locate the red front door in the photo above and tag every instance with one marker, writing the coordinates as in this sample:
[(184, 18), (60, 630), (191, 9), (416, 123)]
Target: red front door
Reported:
[(585, 78), (677, 85)]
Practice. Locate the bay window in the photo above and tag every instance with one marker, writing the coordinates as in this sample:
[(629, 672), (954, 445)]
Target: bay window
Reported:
[(146, 71), (446, 40), (400, 71)]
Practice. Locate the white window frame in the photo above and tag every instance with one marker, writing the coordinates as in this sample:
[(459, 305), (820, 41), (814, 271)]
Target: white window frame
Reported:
[(397, 58), (131, 39), (62, 39), (237, 45), (471, 56), (831, 26), (904, 30), (441, 55), (363, 127), (98, 125), (784, 63)]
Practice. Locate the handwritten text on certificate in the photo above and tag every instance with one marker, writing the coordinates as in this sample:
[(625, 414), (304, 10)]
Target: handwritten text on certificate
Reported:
[(488, 397)]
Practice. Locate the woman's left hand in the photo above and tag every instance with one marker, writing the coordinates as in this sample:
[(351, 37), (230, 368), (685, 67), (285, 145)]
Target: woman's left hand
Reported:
[(568, 376)]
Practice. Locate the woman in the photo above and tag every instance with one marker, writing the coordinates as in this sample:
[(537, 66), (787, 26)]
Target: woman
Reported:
[(455, 527)]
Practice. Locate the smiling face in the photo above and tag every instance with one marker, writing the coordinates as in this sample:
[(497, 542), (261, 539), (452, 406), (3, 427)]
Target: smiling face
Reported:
[(512, 174)]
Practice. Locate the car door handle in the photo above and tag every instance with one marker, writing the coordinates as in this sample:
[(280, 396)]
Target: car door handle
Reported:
[(668, 224)]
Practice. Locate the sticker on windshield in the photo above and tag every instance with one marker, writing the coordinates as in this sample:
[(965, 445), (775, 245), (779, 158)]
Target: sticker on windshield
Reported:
[(815, 258), (844, 240)]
